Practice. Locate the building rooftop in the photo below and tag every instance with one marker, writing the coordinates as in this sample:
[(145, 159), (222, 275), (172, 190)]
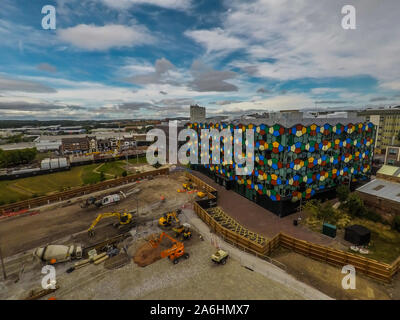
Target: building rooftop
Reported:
[(389, 170), (382, 189)]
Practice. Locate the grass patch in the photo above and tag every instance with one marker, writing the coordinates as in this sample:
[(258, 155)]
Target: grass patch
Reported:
[(385, 242), (114, 168), (139, 160), (26, 188), (88, 176)]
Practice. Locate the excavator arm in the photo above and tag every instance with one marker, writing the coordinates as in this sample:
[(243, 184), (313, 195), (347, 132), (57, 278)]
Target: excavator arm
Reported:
[(175, 252), (102, 216), (123, 218)]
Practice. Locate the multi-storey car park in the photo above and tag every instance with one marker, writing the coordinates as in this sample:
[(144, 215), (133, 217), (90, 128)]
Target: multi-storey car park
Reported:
[(294, 162)]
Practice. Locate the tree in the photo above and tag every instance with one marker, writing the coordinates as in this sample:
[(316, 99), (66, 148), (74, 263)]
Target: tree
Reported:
[(355, 206), (327, 213), (342, 192)]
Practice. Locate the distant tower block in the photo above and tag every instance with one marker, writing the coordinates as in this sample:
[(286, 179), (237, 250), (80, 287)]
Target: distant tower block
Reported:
[(197, 114)]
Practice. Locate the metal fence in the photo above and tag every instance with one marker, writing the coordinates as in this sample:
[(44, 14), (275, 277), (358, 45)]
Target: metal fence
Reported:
[(75, 192)]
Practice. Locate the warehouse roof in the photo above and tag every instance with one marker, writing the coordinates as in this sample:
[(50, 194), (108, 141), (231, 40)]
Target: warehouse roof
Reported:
[(389, 170), (382, 189)]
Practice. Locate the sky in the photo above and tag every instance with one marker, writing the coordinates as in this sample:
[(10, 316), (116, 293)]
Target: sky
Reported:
[(130, 59)]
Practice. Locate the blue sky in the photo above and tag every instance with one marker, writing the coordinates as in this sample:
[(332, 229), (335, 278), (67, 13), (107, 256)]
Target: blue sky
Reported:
[(110, 59)]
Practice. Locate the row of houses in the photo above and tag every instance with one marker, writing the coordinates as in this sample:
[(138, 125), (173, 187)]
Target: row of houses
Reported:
[(92, 144)]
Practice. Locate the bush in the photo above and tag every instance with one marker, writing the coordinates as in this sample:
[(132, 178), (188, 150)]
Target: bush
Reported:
[(342, 192), (124, 174), (102, 176), (327, 213), (373, 216), (355, 206), (396, 223)]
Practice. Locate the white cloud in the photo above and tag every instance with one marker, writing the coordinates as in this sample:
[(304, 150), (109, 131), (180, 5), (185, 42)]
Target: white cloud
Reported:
[(305, 39), (392, 85), (93, 37), (215, 40), (169, 4), (281, 102)]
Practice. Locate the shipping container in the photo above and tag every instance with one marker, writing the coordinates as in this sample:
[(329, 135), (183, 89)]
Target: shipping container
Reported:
[(45, 164), (54, 164)]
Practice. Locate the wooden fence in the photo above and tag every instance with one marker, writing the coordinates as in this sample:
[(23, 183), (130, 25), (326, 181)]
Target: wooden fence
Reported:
[(372, 268), (235, 238), (80, 191), (201, 183)]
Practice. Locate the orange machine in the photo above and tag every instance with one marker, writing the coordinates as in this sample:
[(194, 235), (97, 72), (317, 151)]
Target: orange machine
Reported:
[(174, 253)]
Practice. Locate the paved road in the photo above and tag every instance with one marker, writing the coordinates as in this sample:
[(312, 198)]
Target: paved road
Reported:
[(256, 264)]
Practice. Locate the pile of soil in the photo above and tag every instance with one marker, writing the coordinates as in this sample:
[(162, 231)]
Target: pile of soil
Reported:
[(146, 254)]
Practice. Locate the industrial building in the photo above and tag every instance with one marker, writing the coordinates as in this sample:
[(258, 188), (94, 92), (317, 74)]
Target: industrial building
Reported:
[(387, 122), (382, 195), (294, 161)]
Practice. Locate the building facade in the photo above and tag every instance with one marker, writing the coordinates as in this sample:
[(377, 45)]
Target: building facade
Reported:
[(197, 114), (75, 145), (387, 122), (294, 162)]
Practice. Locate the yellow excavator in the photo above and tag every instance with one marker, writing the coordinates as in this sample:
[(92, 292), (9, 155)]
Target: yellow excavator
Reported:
[(166, 220), (125, 219)]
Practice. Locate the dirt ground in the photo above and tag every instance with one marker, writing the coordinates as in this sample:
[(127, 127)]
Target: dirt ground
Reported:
[(195, 278), (20, 234), (328, 278)]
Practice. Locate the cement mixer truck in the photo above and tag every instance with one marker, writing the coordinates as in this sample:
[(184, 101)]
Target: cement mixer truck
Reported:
[(58, 253)]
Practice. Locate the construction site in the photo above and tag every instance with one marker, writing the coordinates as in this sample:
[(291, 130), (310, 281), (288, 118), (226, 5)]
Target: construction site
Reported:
[(125, 243), (162, 234)]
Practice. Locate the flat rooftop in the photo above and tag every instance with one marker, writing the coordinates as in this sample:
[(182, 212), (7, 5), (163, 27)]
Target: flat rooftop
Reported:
[(382, 189)]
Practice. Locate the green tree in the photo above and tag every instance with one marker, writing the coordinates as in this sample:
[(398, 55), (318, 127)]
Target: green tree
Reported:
[(327, 213), (342, 192), (355, 206)]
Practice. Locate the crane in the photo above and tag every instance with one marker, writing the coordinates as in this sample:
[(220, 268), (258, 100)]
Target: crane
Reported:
[(124, 220), (174, 253)]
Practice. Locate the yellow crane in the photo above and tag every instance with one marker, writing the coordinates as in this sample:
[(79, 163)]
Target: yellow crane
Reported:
[(124, 220)]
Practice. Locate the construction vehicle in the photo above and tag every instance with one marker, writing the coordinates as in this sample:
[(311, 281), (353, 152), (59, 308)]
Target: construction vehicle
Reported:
[(183, 231), (187, 186), (201, 195), (125, 220), (220, 257), (58, 253), (105, 201), (166, 219), (176, 252)]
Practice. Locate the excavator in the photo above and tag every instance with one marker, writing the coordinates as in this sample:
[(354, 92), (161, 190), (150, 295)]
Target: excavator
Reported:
[(166, 220), (125, 219), (183, 231), (174, 253)]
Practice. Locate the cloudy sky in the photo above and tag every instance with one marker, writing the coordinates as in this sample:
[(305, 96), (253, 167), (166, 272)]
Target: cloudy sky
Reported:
[(110, 59)]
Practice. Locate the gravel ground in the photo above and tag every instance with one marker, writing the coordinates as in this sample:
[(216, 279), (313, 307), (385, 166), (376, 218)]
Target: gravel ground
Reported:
[(196, 278)]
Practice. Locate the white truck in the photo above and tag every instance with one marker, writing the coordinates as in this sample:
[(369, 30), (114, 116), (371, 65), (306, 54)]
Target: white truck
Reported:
[(105, 201), (58, 253)]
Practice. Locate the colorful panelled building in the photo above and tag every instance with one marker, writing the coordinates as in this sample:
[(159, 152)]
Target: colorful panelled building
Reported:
[(295, 162)]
